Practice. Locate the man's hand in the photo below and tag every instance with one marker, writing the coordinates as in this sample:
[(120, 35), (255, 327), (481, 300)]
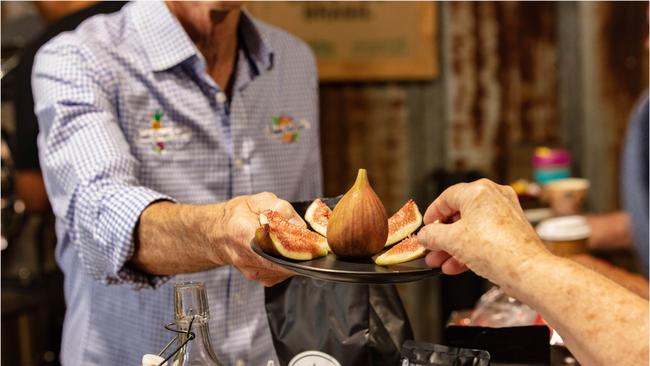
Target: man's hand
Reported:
[(241, 219), (180, 238), (482, 226)]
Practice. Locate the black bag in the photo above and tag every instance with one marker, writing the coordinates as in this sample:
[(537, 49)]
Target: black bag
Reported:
[(356, 324), (525, 345)]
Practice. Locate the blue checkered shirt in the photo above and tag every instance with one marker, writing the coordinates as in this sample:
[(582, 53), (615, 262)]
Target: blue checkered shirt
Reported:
[(129, 116)]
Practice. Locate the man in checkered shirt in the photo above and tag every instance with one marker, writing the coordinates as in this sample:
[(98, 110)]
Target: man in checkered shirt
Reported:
[(160, 125)]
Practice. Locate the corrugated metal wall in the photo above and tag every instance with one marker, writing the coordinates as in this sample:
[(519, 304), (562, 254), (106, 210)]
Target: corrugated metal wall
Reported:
[(503, 87), (366, 126)]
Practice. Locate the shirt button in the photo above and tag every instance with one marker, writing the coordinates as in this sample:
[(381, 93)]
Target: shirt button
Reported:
[(239, 163), (220, 97)]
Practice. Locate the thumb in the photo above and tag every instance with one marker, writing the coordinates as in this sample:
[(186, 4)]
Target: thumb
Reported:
[(439, 237), (285, 209)]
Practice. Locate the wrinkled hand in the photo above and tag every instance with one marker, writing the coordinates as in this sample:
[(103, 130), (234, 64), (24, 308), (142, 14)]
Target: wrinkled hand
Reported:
[(483, 227), (240, 221)]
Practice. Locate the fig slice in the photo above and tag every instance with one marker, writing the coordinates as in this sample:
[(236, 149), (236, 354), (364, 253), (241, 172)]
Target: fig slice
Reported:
[(404, 251), (404, 222), (318, 215), (279, 237)]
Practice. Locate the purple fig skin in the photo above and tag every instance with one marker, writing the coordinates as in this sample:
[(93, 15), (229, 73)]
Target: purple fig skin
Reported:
[(358, 226)]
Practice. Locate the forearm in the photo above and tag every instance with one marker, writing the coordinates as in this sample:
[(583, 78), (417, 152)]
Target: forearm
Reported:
[(601, 322), (631, 281), (610, 231), (179, 238)]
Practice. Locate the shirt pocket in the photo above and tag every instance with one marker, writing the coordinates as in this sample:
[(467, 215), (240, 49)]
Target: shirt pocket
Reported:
[(164, 146)]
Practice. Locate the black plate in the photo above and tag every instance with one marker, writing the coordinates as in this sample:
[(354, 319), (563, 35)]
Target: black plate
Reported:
[(364, 270)]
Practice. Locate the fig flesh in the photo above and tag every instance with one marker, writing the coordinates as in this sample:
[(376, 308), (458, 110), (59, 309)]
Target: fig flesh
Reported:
[(358, 226), (404, 251), (318, 215), (404, 222), (279, 237)]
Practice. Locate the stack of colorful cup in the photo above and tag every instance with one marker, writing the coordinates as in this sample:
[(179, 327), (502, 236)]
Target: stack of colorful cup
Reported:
[(551, 164)]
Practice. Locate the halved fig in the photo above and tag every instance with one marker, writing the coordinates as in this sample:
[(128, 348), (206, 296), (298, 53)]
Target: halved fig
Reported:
[(404, 222), (404, 251), (318, 215), (279, 237)]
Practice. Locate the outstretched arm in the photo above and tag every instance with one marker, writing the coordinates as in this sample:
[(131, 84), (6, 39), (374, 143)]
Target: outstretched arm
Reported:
[(122, 230), (601, 322), (178, 238)]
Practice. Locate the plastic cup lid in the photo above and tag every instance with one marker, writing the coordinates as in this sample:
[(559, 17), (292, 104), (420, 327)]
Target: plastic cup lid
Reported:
[(568, 184), (564, 228)]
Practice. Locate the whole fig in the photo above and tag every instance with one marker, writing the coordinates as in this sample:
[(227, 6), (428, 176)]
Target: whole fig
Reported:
[(358, 226)]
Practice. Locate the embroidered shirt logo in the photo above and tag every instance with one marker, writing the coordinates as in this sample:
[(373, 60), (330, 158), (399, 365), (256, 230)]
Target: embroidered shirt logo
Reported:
[(287, 129), (156, 124), (159, 136)]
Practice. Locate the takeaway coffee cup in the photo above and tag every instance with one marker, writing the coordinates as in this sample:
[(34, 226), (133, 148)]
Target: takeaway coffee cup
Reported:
[(566, 235), (565, 196)]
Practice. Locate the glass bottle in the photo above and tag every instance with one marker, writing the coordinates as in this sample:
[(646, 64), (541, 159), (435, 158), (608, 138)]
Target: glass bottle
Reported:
[(191, 305)]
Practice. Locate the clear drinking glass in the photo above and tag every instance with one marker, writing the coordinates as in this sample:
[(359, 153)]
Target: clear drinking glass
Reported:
[(191, 306)]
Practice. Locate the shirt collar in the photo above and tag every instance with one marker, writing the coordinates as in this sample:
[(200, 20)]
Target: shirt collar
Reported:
[(254, 40), (167, 45)]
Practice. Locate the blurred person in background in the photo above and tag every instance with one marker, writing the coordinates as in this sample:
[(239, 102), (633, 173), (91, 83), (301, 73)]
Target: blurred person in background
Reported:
[(629, 228), (626, 229), (481, 226), (59, 16), (159, 125), (37, 236)]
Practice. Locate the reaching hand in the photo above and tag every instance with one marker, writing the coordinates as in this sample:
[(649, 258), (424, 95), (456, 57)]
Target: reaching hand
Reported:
[(482, 226)]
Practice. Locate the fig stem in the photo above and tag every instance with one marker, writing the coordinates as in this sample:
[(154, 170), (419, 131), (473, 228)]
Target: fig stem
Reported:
[(362, 177)]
